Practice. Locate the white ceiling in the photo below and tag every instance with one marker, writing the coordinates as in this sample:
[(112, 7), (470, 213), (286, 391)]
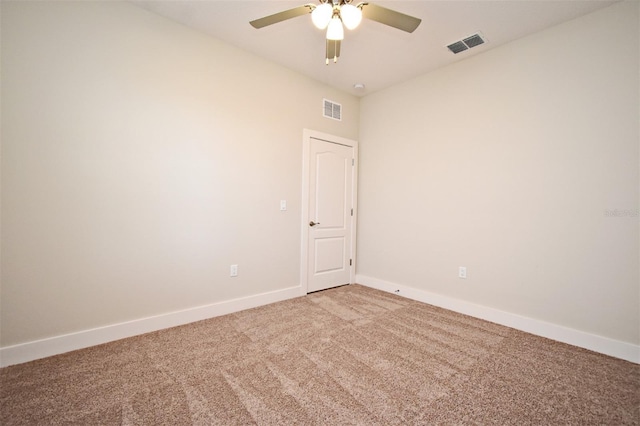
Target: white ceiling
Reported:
[(373, 54)]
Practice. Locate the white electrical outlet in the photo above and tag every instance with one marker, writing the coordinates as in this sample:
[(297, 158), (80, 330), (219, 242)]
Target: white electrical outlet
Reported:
[(233, 270), (283, 205), (462, 272)]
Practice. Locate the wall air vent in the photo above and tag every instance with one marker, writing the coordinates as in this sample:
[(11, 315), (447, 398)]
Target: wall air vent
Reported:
[(466, 43), (331, 109)]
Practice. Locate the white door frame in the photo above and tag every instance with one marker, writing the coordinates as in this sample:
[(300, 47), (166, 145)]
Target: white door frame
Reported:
[(307, 135)]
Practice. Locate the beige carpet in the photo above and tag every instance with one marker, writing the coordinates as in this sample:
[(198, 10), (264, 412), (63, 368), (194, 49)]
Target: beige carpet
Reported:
[(350, 355)]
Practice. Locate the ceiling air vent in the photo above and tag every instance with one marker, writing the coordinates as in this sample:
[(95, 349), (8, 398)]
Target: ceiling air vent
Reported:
[(457, 47), (466, 43), (331, 109)]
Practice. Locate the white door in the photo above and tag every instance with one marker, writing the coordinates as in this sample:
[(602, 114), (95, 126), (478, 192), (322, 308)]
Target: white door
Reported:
[(329, 221)]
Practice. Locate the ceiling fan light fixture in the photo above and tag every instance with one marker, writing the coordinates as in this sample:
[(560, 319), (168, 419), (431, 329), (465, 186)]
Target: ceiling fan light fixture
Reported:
[(351, 16), (335, 30), (334, 15), (321, 15)]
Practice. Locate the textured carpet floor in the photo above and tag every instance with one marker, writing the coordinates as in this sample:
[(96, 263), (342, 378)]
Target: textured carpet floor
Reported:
[(350, 355)]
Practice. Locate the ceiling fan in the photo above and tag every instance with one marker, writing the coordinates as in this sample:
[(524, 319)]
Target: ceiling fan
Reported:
[(334, 14)]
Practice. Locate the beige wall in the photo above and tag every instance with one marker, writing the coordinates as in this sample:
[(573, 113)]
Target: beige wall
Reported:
[(520, 164), (139, 160)]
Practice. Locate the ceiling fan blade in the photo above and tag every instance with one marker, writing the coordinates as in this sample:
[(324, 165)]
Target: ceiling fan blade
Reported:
[(390, 17), (280, 16), (333, 50)]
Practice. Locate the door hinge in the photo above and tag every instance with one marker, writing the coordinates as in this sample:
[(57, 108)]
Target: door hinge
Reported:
[(351, 212), (353, 161), (350, 262)]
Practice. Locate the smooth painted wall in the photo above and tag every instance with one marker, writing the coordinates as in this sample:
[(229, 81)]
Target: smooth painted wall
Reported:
[(521, 164), (140, 159)]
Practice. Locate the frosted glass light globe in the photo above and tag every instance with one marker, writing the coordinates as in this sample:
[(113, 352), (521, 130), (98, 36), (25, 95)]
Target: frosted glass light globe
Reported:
[(335, 30), (351, 16), (321, 15)]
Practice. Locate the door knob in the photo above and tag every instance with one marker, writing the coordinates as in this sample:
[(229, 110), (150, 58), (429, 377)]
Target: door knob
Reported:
[(312, 223)]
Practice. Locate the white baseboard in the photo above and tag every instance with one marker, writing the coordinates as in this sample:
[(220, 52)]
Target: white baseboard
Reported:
[(30, 351), (614, 348)]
